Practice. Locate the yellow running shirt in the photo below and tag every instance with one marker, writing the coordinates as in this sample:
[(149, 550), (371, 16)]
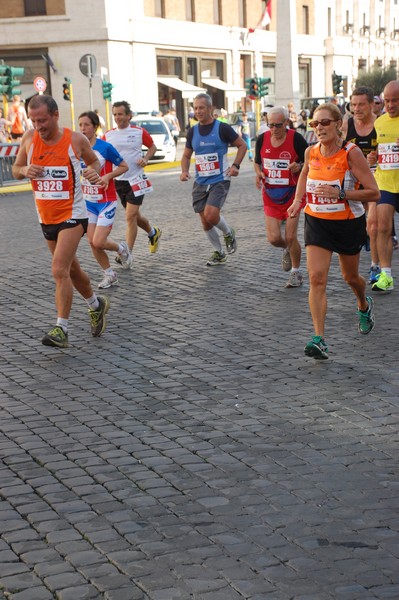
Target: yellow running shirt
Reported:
[(387, 172)]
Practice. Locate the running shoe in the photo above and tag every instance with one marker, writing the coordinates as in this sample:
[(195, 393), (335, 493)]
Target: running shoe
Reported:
[(230, 241), (374, 273), (118, 259), (217, 258), (56, 337), (366, 318), (125, 256), (98, 320), (317, 348), (109, 280), (384, 283), (395, 243), (153, 241), (294, 280), (286, 262)]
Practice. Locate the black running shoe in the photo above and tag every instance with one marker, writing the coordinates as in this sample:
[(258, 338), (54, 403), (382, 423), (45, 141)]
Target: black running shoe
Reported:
[(56, 337)]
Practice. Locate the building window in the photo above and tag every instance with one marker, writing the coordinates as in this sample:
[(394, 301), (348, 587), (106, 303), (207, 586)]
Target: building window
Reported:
[(192, 71), (190, 10), (305, 19), (362, 64), (304, 80), (242, 13), (212, 67), (169, 65), (159, 8), (329, 22), (217, 12), (34, 8), (269, 72)]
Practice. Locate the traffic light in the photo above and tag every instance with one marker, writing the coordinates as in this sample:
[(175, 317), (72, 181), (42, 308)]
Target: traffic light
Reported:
[(8, 83), (337, 83), (263, 87), (248, 86), (66, 89), (107, 90), (3, 79), (11, 73), (253, 88)]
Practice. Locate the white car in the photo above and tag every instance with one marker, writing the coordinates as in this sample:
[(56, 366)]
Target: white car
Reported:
[(160, 133)]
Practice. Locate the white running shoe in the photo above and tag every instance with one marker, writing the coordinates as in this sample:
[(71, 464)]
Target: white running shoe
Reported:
[(108, 281), (125, 256)]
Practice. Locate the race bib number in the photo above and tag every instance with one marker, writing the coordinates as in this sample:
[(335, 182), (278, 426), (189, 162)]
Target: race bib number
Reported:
[(388, 156), (276, 171), (92, 193), (140, 185), (323, 205), (52, 185), (207, 164)]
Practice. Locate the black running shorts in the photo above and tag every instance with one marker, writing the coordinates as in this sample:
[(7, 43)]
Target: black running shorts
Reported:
[(342, 237)]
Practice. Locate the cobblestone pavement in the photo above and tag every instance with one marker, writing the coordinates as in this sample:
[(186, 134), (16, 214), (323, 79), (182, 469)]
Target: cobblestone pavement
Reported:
[(193, 452)]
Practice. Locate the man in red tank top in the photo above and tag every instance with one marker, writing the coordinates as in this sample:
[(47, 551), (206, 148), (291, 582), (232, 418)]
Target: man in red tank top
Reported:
[(279, 156), (50, 157)]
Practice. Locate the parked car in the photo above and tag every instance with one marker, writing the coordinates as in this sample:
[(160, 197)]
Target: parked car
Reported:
[(160, 133), (235, 121)]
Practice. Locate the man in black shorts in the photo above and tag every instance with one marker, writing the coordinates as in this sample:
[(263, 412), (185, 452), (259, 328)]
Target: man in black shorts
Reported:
[(133, 185)]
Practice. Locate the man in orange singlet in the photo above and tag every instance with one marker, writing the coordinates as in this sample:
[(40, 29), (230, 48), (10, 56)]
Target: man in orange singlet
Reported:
[(18, 118), (50, 157)]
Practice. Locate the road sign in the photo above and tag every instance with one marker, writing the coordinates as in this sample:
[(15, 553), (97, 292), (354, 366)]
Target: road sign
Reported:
[(40, 84), (88, 65)]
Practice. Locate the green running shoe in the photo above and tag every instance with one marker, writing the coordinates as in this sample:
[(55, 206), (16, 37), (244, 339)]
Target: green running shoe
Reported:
[(366, 318), (230, 241), (317, 348), (384, 283), (98, 320), (56, 337), (217, 258)]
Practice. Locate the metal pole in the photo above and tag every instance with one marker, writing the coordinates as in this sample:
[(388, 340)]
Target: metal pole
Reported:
[(91, 93), (72, 107)]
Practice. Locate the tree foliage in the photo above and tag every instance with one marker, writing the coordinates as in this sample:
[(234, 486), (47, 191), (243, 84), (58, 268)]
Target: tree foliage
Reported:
[(376, 78)]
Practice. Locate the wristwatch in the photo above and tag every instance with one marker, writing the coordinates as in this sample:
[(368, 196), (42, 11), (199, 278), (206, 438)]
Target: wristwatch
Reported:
[(342, 194), (236, 166)]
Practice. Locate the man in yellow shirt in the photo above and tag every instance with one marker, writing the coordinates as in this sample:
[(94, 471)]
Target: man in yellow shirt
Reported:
[(387, 177)]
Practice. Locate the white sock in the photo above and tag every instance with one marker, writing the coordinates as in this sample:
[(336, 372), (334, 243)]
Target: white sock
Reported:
[(152, 232), (121, 250), (213, 237), (109, 271), (63, 323), (387, 270), (93, 302), (295, 270), (222, 225)]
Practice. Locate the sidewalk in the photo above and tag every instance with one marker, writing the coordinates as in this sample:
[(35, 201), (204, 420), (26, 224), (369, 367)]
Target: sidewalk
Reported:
[(193, 452)]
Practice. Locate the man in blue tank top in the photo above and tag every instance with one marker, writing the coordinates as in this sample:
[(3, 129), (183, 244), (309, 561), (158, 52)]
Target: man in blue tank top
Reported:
[(209, 139)]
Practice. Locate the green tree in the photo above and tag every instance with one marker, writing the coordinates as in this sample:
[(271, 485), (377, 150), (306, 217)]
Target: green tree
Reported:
[(377, 78)]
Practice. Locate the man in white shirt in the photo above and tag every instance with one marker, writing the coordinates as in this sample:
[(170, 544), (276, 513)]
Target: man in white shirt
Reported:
[(133, 185)]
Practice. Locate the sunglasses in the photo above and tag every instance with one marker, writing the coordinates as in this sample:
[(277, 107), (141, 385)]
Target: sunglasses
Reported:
[(323, 122), (376, 102), (276, 125)]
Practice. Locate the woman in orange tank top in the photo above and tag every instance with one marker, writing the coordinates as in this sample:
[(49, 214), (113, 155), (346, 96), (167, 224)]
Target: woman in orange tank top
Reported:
[(336, 179)]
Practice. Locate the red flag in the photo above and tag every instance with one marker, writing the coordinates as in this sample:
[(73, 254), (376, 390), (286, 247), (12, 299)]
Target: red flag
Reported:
[(266, 17)]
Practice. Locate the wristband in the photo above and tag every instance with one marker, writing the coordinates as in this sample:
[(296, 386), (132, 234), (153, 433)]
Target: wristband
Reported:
[(236, 166)]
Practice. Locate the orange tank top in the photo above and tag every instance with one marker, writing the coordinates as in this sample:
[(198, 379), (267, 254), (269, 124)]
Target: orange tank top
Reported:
[(58, 193), (333, 170)]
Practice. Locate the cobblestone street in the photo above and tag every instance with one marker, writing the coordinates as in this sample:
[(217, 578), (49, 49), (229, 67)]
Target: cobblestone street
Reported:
[(193, 452)]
